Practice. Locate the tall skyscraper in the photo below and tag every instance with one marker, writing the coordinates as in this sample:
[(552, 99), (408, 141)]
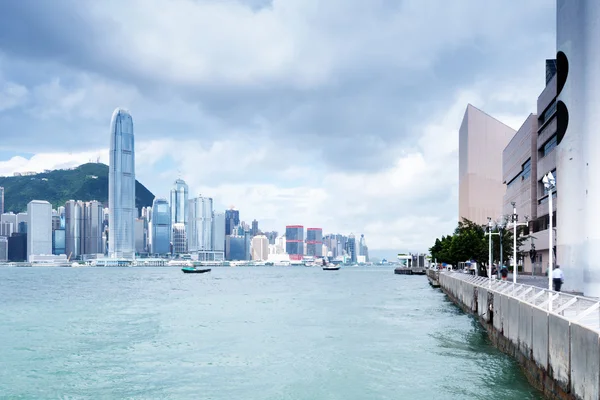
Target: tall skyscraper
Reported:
[(254, 227), (351, 247), (294, 241), (161, 227), (39, 235), (232, 219), (73, 230), (200, 224), (1, 200), (93, 217), (179, 202), (121, 187), (314, 242), (179, 238), (218, 232)]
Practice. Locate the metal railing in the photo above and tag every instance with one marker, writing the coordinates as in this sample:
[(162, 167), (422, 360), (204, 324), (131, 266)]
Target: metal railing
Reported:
[(583, 310)]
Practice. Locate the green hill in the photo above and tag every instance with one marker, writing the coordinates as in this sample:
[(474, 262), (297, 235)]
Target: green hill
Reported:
[(86, 182)]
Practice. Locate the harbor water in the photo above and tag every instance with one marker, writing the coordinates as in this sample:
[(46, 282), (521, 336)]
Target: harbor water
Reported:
[(263, 333)]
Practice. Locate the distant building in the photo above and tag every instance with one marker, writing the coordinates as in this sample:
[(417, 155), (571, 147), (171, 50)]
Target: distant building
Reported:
[(8, 224), (232, 219), (237, 247), (482, 139), (22, 220), (1, 200), (271, 236), (254, 227), (17, 247), (218, 232), (314, 242), (58, 241), (200, 235), (83, 228), (140, 235), (351, 248), (39, 236), (179, 212), (179, 239), (260, 248), (3, 248), (294, 241), (161, 227), (121, 186)]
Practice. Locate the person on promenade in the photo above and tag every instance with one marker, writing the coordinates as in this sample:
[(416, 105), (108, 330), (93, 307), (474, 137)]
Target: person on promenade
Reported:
[(557, 278), (504, 272)]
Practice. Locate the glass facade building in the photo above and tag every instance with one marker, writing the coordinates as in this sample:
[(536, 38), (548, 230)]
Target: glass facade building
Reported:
[(200, 224), (121, 186), (161, 227), (314, 242), (179, 202), (294, 241)]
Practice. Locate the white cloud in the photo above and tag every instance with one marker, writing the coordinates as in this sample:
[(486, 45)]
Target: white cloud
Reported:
[(11, 95)]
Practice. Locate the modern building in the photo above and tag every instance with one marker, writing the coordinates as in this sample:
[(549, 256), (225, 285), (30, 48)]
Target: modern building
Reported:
[(1, 200), (519, 168), (237, 247), (351, 248), (232, 220), (179, 238), (161, 227), (121, 186), (482, 139), (140, 236), (73, 228), (8, 224), (314, 242), (22, 220), (271, 236), (578, 145), (294, 241), (39, 226), (59, 241), (363, 249), (17, 247), (200, 235), (254, 227), (260, 248), (3, 248), (218, 232)]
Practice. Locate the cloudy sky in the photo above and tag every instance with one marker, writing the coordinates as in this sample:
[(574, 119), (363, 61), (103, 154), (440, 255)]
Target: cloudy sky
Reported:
[(341, 114)]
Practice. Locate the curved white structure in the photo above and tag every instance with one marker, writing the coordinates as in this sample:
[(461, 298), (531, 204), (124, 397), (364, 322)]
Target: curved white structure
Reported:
[(578, 153), (121, 187)]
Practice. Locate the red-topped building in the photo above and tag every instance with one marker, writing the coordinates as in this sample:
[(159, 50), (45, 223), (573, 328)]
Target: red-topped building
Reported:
[(294, 241), (314, 242)]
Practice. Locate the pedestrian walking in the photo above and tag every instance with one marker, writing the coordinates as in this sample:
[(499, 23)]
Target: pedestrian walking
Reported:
[(557, 278)]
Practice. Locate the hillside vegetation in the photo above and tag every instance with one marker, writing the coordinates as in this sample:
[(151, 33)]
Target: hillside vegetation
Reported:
[(86, 182)]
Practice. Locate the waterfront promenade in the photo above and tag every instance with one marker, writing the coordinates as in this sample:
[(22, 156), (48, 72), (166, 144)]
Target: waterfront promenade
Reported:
[(554, 336)]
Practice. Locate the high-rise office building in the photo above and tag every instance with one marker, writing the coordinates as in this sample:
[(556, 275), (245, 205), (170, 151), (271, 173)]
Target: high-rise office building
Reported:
[(179, 202), (140, 235), (200, 230), (351, 247), (161, 226), (482, 139), (260, 248), (314, 242), (3, 248), (39, 226), (1, 200), (8, 224), (58, 241), (218, 232), (254, 227), (73, 228), (294, 241), (93, 217), (121, 186), (232, 220), (179, 238)]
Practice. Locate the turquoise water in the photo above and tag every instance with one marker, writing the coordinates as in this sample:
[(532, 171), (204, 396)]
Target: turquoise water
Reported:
[(242, 333)]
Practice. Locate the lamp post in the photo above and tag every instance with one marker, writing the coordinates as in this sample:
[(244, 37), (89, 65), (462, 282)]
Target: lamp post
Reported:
[(549, 184), (516, 223), (490, 233)]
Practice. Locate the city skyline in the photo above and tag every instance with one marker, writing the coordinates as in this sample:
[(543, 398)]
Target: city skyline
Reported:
[(348, 147)]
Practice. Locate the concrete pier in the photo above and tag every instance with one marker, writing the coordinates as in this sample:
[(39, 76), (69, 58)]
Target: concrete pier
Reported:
[(554, 336)]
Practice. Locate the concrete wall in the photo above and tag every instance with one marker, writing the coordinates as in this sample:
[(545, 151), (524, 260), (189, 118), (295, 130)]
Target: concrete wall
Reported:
[(560, 357)]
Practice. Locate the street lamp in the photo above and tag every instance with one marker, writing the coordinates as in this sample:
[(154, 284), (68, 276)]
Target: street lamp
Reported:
[(490, 233), (501, 225), (516, 223), (550, 184)]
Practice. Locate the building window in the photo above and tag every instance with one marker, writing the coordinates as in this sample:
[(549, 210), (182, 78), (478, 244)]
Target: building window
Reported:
[(549, 146), (550, 111), (526, 169)]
